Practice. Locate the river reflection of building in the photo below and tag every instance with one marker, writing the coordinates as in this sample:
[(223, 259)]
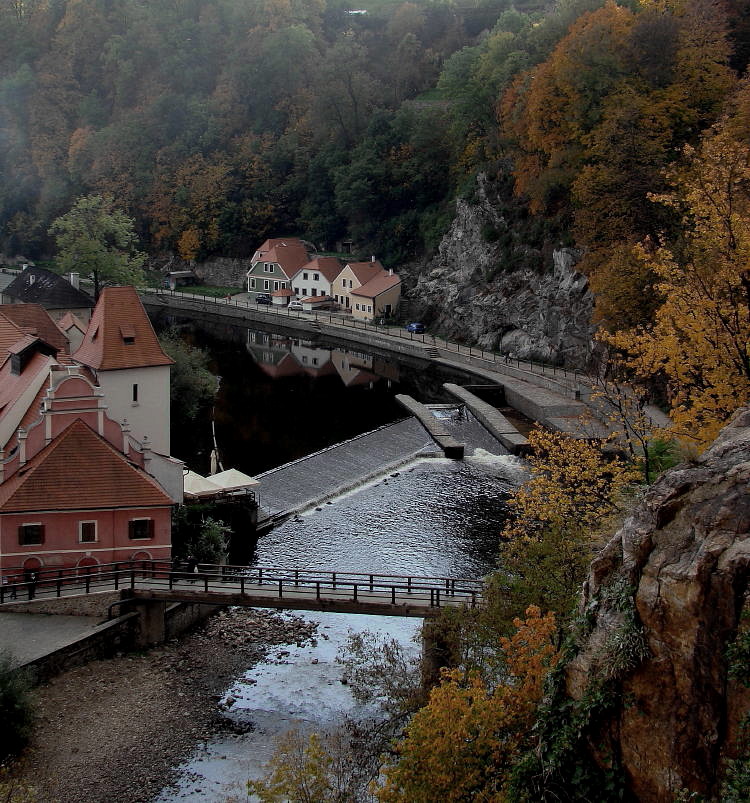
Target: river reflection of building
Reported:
[(281, 356)]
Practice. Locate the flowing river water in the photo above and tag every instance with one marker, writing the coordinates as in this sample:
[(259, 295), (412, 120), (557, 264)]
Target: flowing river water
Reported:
[(431, 517)]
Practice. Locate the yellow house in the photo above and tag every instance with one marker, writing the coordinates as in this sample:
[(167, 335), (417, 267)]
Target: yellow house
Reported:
[(367, 289)]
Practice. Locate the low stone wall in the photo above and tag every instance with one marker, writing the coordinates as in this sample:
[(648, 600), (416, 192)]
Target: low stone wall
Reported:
[(222, 271), (96, 604), (106, 640)]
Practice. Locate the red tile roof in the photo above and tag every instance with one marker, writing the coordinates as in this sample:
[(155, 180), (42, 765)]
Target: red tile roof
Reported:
[(288, 252), (10, 333), (365, 271), (70, 320), (283, 293), (79, 470), (118, 318), (330, 267), (34, 319), (378, 285)]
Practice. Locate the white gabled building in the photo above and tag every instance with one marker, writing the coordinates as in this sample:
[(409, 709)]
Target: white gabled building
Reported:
[(122, 350)]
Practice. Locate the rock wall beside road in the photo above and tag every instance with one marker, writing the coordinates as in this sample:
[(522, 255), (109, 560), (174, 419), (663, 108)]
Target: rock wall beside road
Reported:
[(471, 293)]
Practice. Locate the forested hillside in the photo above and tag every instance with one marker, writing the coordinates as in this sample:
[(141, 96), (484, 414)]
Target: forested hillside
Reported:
[(215, 123)]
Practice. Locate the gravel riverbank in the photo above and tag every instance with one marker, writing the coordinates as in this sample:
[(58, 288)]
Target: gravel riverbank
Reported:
[(115, 729)]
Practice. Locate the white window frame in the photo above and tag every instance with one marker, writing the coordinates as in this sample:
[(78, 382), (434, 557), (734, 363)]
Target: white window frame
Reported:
[(80, 531), (143, 538)]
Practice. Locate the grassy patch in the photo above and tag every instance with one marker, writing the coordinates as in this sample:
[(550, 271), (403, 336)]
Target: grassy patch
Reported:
[(211, 290)]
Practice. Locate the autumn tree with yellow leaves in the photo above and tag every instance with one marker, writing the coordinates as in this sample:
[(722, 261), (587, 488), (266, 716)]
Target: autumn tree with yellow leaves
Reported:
[(462, 745), (699, 339)]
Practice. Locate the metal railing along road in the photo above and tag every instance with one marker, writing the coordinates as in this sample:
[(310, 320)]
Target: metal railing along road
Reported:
[(271, 582), (269, 312)]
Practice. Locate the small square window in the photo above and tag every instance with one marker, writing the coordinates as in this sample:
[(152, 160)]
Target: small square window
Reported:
[(304, 277), (140, 529), (87, 532), (31, 534)]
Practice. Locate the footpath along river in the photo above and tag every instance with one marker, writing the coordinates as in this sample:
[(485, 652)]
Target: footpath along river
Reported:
[(433, 517)]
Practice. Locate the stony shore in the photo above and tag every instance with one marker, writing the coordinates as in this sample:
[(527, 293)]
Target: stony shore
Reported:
[(115, 729)]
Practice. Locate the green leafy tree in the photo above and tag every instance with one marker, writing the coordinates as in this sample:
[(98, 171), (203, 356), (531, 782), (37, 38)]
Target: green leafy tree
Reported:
[(192, 385), (94, 238)]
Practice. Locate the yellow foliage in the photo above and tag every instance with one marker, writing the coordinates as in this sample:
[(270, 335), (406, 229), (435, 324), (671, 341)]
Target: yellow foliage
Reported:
[(573, 486), (700, 336), (189, 244), (462, 743)]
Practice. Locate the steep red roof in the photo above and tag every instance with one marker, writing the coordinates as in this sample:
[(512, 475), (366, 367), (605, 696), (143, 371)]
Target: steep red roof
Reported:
[(10, 333), (365, 271), (69, 321), (35, 320), (120, 334), (378, 285), (79, 470), (288, 252)]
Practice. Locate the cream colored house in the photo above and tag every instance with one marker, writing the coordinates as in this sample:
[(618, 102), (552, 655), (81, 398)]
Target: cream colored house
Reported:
[(379, 297), (367, 289)]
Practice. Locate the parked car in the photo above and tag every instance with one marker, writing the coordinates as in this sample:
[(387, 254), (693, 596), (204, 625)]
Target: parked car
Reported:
[(263, 298), (416, 328), (295, 305)]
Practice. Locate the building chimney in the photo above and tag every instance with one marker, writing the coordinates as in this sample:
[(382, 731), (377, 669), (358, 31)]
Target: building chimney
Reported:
[(372, 258), (75, 280), (390, 272)]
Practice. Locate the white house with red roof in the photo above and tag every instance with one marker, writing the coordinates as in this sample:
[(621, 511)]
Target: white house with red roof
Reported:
[(274, 263), (315, 278), (76, 488), (123, 353)]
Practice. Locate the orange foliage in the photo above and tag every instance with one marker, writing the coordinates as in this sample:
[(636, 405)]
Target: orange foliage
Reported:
[(460, 744)]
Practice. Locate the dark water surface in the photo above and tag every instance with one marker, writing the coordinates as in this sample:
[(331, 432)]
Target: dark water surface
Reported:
[(284, 397)]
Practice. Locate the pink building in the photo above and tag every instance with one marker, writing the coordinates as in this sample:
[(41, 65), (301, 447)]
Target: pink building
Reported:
[(76, 488)]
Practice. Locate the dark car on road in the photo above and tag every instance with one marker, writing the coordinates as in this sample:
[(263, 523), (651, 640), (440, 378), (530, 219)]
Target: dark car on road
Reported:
[(416, 328), (263, 298)]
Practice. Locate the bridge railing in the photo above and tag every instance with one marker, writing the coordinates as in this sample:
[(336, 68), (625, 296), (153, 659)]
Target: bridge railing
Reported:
[(160, 575)]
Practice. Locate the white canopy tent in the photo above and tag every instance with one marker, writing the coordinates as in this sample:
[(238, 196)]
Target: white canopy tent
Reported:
[(229, 481)]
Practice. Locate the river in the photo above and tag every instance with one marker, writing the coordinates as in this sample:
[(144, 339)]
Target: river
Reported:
[(432, 517)]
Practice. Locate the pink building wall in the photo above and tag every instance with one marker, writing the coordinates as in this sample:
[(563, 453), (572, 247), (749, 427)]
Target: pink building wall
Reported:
[(62, 548)]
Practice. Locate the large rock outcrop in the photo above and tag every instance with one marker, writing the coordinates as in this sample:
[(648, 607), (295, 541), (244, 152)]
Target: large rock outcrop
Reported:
[(666, 596), (483, 288)]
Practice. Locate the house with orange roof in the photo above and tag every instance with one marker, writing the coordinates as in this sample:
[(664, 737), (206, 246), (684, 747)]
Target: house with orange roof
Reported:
[(274, 263), (367, 290), (79, 501), (316, 277), (58, 444), (123, 353)]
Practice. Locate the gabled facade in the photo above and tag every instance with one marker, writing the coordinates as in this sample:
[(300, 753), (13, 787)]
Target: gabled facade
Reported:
[(123, 353), (378, 297), (274, 263), (80, 502), (316, 277), (367, 290)]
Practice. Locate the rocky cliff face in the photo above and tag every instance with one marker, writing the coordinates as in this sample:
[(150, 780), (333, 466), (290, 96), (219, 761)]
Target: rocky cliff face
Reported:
[(683, 560), (471, 290)]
